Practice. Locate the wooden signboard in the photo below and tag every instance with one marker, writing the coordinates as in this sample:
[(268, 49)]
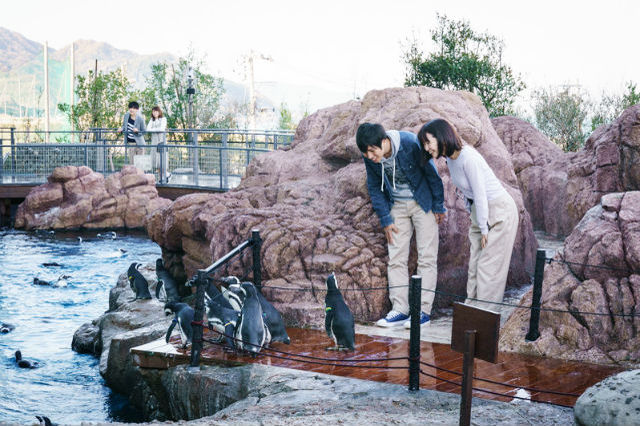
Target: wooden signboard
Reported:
[(486, 325)]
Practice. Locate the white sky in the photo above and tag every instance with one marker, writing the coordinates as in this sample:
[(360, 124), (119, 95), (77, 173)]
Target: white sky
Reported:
[(345, 47)]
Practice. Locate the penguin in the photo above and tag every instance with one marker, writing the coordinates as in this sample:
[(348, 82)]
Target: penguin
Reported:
[(252, 333), (6, 328), (338, 322), (138, 282), (62, 281), (234, 293), (51, 264), (108, 235), (183, 317), (24, 363), (38, 281), (167, 288), (212, 293), (272, 317), (223, 320), (44, 421)]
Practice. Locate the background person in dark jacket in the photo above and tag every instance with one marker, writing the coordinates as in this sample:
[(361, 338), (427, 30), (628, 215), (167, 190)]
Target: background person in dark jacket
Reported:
[(406, 195), (133, 128)]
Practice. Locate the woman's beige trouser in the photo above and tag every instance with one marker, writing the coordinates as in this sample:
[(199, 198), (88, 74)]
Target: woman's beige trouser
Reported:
[(488, 267)]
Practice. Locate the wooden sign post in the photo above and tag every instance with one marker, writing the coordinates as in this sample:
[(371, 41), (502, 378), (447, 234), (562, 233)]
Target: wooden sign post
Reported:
[(475, 333)]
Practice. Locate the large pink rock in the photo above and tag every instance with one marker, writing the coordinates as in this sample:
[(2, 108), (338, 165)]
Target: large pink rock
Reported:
[(559, 188), (77, 197), (607, 239), (312, 207)]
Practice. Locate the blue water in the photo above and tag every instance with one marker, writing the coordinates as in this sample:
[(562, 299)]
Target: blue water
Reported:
[(68, 387)]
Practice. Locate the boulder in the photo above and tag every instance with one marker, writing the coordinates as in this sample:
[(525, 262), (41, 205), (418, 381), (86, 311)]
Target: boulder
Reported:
[(312, 207), (598, 272), (613, 401), (541, 168), (86, 339), (559, 188), (77, 197)]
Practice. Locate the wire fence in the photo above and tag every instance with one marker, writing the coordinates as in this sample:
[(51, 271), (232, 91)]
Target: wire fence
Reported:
[(373, 363), (210, 158)]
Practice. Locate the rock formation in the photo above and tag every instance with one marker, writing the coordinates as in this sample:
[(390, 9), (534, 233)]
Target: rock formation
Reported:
[(559, 188), (312, 207), (613, 401), (77, 197), (608, 240)]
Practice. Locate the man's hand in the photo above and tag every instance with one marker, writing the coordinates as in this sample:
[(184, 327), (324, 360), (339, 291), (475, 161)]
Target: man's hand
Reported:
[(439, 217), (389, 230), (135, 130), (484, 241)]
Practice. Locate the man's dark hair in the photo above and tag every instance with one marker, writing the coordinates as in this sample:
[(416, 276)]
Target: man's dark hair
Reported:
[(447, 137), (370, 134), (134, 104)]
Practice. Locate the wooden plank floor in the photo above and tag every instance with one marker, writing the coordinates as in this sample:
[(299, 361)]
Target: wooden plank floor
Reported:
[(514, 369)]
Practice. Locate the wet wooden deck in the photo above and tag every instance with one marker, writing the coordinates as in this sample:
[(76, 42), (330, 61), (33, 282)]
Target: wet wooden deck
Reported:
[(513, 369)]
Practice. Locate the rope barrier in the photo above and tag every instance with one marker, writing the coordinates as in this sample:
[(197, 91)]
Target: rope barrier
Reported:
[(313, 362), (501, 383), (493, 393)]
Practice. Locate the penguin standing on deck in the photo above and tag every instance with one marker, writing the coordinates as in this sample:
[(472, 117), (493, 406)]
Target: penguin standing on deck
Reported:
[(138, 282), (183, 317), (338, 318), (252, 332), (167, 288), (223, 320)]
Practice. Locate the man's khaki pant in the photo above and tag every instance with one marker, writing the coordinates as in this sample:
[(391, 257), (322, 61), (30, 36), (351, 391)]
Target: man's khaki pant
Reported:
[(488, 267), (407, 216), (133, 149)]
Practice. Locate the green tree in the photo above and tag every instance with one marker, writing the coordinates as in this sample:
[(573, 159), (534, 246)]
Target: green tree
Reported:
[(464, 60), (611, 106), (102, 100), (561, 115), (286, 121), (167, 87)]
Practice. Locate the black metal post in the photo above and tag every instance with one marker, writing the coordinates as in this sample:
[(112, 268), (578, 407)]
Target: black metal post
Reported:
[(415, 300), (466, 394), (196, 340), (538, 276), (256, 246)]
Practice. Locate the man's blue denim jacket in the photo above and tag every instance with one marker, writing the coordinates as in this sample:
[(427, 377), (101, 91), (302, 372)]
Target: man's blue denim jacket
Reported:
[(424, 181)]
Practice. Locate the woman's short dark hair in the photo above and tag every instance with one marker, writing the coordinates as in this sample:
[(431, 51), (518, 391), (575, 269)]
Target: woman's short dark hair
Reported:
[(370, 134), (447, 137), (156, 108)]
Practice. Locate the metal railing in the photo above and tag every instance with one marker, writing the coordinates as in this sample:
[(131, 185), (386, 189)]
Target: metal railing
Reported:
[(211, 158)]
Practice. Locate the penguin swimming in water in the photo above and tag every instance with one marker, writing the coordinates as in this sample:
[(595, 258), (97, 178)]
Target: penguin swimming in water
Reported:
[(167, 288), (272, 317), (183, 317), (24, 363), (138, 282), (338, 322), (6, 328), (44, 421), (252, 332), (223, 320)]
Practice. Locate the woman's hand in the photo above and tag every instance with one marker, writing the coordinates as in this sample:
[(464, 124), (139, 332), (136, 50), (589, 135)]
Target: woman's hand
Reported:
[(439, 217), (484, 241)]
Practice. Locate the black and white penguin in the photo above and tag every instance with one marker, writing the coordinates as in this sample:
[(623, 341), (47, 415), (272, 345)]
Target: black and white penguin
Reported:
[(167, 288), (111, 235), (6, 328), (25, 363), (38, 281), (223, 320), (212, 293), (44, 421), (338, 322), (183, 317), (51, 264), (138, 282), (234, 293), (252, 332)]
